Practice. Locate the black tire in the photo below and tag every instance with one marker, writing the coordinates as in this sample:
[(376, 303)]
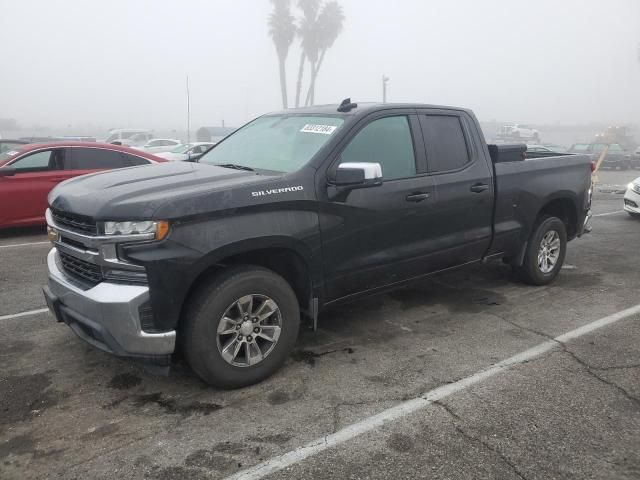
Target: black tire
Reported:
[(199, 334), (530, 272)]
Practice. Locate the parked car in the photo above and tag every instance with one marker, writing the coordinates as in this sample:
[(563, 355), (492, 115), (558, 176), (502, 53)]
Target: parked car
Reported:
[(10, 147), (159, 145), (188, 152), (615, 158), (29, 174), (635, 159), (131, 137), (292, 213), (632, 198), (519, 131)]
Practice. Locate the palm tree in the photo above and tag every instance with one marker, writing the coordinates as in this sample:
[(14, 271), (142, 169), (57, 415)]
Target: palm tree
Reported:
[(282, 30), (307, 34), (329, 25)]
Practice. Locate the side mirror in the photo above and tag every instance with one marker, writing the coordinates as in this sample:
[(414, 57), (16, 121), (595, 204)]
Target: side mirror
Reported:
[(353, 175), (7, 171)]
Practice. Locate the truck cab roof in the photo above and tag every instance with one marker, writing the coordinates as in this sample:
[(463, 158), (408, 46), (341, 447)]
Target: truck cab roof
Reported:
[(360, 109)]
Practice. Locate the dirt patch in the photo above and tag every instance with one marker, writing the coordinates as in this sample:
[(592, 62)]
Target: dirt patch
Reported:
[(309, 357), (125, 381), (400, 442), (24, 394), (467, 300), (171, 405), (15, 347), (101, 431), (18, 445), (177, 473), (277, 439), (208, 459)]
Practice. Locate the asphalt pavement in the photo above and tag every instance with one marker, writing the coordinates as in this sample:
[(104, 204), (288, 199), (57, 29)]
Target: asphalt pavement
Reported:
[(356, 399)]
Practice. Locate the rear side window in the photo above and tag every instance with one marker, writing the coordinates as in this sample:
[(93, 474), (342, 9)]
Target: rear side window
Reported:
[(386, 141), (446, 144), (133, 160), (96, 159)]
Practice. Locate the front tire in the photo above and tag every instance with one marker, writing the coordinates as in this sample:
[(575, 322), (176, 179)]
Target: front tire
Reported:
[(240, 327), (545, 253)]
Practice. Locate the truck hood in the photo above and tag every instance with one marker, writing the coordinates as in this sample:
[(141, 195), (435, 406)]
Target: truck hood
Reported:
[(169, 190)]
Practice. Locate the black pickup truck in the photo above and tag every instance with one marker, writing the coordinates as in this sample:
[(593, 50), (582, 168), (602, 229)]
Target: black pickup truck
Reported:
[(296, 211)]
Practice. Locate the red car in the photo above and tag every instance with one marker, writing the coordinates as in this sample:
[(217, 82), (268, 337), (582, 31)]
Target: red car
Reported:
[(28, 174)]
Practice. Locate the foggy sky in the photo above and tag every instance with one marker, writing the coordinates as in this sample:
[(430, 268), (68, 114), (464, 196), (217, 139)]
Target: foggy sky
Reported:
[(123, 63)]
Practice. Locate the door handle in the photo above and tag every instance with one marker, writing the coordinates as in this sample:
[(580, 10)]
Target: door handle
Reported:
[(417, 197), (479, 187)]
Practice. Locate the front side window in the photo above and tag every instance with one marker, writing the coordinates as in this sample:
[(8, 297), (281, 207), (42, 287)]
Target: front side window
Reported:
[(386, 141), (281, 143), (38, 161), (446, 145)]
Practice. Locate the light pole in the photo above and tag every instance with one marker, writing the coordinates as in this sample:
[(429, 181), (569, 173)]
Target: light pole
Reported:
[(385, 79)]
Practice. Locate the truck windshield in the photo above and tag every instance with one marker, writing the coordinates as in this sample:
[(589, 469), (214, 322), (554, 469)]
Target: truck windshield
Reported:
[(281, 143)]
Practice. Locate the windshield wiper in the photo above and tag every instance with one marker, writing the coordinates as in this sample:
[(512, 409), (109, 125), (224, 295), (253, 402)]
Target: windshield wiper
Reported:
[(234, 166)]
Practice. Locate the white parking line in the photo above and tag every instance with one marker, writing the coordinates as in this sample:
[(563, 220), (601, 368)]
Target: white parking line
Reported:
[(405, 408), (23, 314), (22, 244), (608, 213)]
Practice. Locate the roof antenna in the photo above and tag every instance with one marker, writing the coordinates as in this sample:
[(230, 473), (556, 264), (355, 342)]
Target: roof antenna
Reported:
[(347, 106)]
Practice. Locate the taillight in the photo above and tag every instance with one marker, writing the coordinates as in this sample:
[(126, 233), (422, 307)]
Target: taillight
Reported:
[(593, 167)]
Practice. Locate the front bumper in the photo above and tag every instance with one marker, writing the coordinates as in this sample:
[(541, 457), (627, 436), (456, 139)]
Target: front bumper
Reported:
[(632, 201), (106, 315)]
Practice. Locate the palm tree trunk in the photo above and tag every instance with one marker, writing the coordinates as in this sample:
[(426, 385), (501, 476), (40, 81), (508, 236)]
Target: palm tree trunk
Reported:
[(300, 74), (307, 101), (311, 94), (283, 81)]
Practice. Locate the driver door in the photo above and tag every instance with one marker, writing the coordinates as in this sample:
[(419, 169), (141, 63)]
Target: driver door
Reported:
[(23, 196), (378, 236)]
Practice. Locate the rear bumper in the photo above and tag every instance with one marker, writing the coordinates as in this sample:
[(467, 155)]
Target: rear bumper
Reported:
[(106, 315)]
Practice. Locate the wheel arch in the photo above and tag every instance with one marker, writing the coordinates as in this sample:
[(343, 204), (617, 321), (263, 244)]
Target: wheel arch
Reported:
[(287, 257)]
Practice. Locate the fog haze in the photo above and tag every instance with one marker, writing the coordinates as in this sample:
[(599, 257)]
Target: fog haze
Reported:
[(123, 63)]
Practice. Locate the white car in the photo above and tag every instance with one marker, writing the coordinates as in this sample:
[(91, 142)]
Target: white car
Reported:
[(158, 145), (518, 130), (130, 137), (187, 151), (632, 198)]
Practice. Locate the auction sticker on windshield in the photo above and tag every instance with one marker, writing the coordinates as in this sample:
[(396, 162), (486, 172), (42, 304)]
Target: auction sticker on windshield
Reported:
[(323, 129)]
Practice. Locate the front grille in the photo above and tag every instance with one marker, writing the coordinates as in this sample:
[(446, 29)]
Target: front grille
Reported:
[(76, 223), (80, 268)]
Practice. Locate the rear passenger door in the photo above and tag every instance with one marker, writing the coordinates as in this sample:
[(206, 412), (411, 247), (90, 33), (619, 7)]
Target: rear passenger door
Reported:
[(462, 200)]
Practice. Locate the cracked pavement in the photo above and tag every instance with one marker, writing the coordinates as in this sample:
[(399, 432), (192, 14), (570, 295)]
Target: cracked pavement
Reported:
[(68, 411)]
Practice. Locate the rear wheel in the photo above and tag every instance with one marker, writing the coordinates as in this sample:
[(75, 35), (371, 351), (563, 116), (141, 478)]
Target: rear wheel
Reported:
[(545, 253), (240, 327)]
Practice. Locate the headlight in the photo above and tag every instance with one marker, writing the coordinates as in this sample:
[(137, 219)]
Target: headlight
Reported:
[(158, 228)]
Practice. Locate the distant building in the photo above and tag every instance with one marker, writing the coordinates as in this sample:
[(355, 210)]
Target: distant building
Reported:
[(213, 134)]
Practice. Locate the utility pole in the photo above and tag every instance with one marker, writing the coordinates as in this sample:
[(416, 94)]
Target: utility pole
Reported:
[(188, 113), (385, 79)]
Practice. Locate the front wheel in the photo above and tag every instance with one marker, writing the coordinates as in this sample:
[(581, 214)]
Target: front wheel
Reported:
[(240, 327), (545, 253)]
